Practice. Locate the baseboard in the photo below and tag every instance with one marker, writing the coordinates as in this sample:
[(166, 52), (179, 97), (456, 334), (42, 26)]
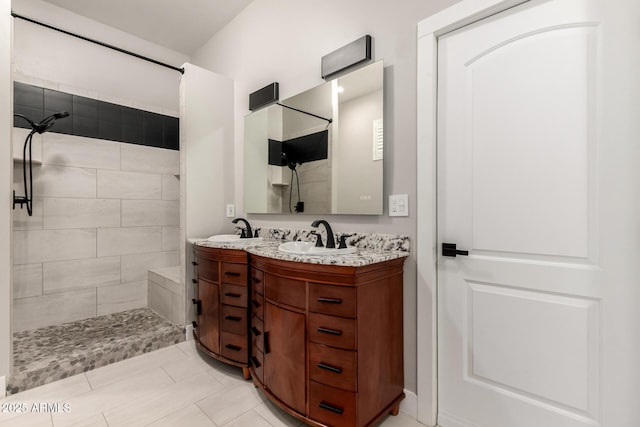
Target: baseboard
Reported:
[(188, 332), (409, 405)]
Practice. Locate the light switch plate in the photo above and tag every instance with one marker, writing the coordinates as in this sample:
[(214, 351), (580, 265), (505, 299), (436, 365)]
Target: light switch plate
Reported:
[(231, 211), (399, 205)]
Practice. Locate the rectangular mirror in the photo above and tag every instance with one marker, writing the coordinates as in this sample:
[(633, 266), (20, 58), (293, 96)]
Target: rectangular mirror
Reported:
[(319, 152)]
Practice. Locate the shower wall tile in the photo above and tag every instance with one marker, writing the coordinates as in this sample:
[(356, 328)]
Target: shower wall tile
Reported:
[(134, 268), (170, 187), (138, 158), (27, 280), (38, 312), (21, 219), (59, 181), (33, 246), (19, 136), (78, 151), (81, 213), (125, 296), (159, 300), (178, 310), (86, 273), (130, 240), (129, 185), (171, 238), (150, 212)]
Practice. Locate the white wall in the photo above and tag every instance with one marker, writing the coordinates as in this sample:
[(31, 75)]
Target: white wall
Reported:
[(206, 135), (6, 164), (283, 41)]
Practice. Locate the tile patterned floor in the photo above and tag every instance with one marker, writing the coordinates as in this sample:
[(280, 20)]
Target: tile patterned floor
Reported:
[(56, 352), (174, 386)]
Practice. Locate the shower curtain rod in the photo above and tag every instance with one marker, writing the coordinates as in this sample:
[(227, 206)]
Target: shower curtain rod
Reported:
[(15, 15)]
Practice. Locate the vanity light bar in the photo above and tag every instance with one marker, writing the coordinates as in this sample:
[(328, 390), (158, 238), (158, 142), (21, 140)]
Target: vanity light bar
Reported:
[(264, 96), (347, 56)]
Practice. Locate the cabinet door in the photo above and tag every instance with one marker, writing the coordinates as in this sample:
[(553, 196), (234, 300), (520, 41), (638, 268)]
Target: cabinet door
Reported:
[(209, 320), (284, 355)]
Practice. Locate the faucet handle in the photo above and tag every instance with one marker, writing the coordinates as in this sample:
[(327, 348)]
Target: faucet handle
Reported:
[(343, 241), (319, 243)]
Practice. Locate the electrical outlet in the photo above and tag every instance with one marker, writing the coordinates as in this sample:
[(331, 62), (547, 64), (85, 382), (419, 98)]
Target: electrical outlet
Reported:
[(231, 211), (399, 205)]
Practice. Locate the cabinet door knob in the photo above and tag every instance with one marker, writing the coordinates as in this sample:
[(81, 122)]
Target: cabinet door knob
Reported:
[(255, 331)]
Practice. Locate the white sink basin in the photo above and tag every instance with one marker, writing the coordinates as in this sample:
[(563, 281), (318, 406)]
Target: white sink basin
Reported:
[(232, 238), (309, 248)]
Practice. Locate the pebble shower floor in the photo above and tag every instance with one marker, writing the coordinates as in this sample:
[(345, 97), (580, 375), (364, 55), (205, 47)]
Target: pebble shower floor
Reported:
[(43, 355)]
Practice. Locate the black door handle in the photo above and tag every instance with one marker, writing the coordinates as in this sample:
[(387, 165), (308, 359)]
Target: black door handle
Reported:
[(449, 249)]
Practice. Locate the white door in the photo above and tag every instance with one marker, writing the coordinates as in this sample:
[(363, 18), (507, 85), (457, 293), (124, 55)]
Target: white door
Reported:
[(521, 317)]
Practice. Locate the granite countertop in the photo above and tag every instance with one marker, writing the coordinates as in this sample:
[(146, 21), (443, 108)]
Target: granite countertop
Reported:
[(371, 248)]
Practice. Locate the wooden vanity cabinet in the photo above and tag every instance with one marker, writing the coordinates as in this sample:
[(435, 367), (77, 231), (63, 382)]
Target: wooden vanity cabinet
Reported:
[(327, 342), (222, 305)]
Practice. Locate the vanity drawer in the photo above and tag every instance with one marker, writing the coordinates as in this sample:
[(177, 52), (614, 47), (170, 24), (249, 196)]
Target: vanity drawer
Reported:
[(286, 291), (207, 269), (333, 300), (257, 281), (233, 346), (333, 367), (234, 320), (333, 331), (234, 273), (331, 406), (257, 333), (257, 305), (234, 295)]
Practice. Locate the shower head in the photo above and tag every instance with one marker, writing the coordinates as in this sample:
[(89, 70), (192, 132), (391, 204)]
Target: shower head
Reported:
[(46, 123)]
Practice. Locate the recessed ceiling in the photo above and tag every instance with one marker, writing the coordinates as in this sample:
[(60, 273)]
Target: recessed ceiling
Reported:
[(182, 26)]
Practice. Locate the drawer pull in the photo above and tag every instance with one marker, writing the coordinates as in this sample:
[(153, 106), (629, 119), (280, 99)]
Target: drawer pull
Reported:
[(330, 407), (233, 318), (231, 273), (198, 304), (323, 365), (233, 347), (330, 300), (194, 280), (255, 331), (255, 280), (194, 263), (255, 303), (329, 331), (232, 295), (265, 341), (255, 362)]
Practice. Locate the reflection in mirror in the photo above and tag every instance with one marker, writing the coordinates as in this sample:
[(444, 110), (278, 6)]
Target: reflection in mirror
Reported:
[(318, 152)]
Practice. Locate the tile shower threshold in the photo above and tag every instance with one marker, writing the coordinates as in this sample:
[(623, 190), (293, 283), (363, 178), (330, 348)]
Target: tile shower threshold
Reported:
[(43, 355)]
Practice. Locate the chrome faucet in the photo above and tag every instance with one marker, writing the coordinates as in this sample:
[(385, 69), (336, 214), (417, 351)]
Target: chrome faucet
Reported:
[(246, 234), (331, 243)]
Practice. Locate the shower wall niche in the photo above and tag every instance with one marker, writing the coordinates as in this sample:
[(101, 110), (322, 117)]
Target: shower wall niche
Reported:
[(104, 211)]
